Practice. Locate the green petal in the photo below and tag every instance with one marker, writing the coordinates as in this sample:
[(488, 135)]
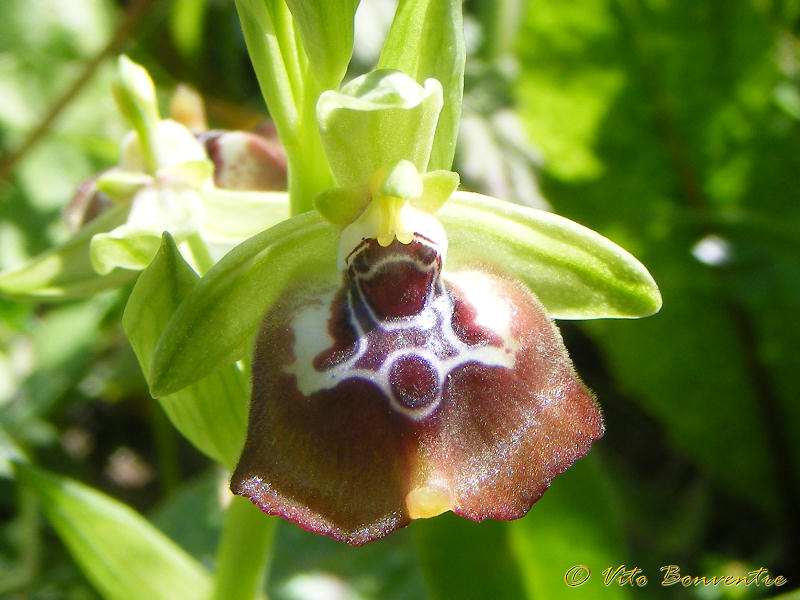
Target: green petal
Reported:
[(211, 413), (217, 322), (402, 181), (66, 272), (121, 553), (575, 272), (438, 186), (427, 40), (341, 206), (326, 29)]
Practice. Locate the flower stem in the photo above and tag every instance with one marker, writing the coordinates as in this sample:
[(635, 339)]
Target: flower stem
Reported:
[(244, 552)]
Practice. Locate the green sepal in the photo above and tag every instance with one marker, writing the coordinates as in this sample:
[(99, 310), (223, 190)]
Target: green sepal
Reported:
[(437, 186), (402, 181), (211, 413), (375, 121), (216, 323), (119, 551), (341, 206), (575, 272), (66, 272), (426, 39), (326, 30)]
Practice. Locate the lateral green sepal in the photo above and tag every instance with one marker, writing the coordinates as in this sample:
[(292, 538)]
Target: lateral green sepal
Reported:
[(576, 272)]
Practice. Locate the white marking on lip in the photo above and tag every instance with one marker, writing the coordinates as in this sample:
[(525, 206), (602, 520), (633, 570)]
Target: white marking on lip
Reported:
[(493, 312)]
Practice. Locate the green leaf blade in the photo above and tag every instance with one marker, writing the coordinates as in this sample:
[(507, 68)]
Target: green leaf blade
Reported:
[(211, 413), (217, 321), (121, 553), (575, 272), (426, 39)]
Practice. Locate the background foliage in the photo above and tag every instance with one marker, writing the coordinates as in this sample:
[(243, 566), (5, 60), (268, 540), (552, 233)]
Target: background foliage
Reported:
[(672, 127)]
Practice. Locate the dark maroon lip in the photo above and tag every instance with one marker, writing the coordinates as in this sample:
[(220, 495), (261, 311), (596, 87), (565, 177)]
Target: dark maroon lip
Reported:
[(405, 393)]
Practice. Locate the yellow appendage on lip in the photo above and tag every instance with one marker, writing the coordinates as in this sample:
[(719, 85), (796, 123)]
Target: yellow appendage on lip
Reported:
[(427, 501)]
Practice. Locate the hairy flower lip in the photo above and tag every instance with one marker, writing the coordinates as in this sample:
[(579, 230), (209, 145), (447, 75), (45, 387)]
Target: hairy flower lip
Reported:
[(346, 459)]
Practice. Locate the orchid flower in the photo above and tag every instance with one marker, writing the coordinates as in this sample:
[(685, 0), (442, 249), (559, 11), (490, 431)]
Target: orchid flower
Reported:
[(403, 365), (399, 332)]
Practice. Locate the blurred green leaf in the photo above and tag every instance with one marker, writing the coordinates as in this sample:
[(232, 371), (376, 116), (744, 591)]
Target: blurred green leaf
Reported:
[(388, 569), (670, 108), (576, 523), (326, 29), (186, 22), (66, 271), (426, 39), (122, 554), (211, 413), (462, 559)]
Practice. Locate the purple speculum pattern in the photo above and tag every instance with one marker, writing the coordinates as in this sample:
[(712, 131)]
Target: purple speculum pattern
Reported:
[(404, 392), (395, 326)]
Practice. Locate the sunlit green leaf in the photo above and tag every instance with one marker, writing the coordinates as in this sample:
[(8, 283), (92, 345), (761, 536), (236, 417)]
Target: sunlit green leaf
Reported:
[(66, 271), (326, 29), (427, 40), (211, 413), (123, 555), (575, 272)]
